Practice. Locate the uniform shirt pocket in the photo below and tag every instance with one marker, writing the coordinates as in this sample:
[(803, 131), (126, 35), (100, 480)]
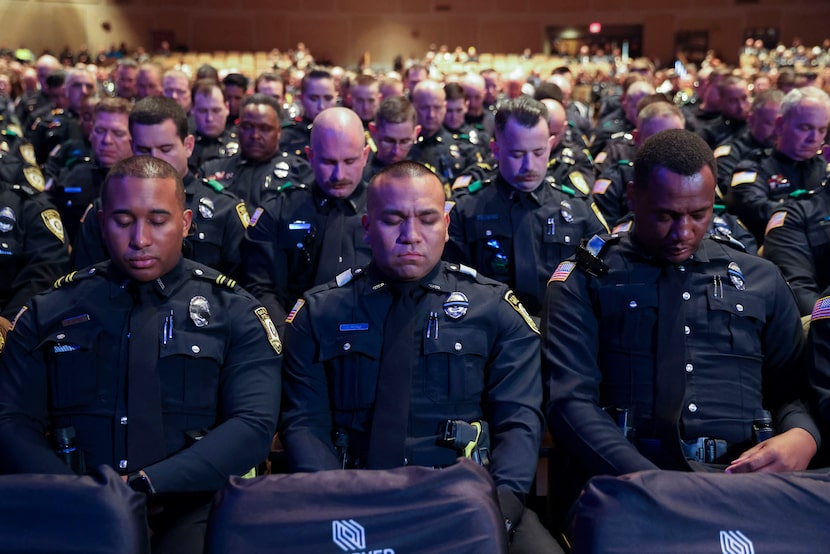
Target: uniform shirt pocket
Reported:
[(352, 360), (737, 321), (72, 359), (454, 364), (189, 367)]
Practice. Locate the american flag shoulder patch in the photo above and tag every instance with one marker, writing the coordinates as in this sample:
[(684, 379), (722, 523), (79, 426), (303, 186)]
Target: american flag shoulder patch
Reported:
[(293, 313), (775, 220), (563, 270), (601, 185), (822, 309)]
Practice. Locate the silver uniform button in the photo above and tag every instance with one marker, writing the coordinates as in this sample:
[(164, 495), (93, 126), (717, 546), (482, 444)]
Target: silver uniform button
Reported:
[(458, 347), (347, 346), (195, 349), (681, 268), (686, 329), (739, 307), (692, 407), (686, 295), (201, 236), (122, 464), (123, 420), (632, 304), (60, 336), (690, 368), (198, 271)]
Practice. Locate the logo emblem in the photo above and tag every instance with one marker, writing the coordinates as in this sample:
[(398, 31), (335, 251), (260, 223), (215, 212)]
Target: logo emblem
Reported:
[(199, 310), (735, 542), (456, 305), (348, 535), (7, 219), (206, 208), (281, 170), (735, 275)]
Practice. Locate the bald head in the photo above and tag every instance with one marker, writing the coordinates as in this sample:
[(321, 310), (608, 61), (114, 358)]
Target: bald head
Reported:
[(338, 151), (474, 89), (430, 103), (557, 120)]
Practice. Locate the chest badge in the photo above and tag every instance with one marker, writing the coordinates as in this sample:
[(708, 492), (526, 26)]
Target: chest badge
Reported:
[(736, 276), (7, 219), (456, 305), (199, 311)]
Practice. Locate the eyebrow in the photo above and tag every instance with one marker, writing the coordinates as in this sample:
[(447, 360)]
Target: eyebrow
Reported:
[(154, 211)]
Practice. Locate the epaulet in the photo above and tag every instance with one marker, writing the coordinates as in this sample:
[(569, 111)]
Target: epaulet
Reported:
[(728, 240), (461, 268), (25, 188), (622, 135), (346, 277), (624, 163), (589, 253), (802, 194), (214, 184), (214, 276), (76, 276), (559, 186)]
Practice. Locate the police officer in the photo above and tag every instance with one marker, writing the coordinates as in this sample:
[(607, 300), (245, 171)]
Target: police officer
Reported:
[(619, 126), (159, 367), (317, 93), (213, 139), (367, 357), (733, 101), (455, 120), (518, 227), (309, 234), (158, 127), (568, 164), (760, 185), (797, 239), (662, 346), (754, 142), (435, 146), (394, 131), (79, 185), (260, 169)]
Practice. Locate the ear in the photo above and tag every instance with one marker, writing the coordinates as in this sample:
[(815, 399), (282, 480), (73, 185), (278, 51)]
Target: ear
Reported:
[(416, 133), (187, 218), (629, 196), (309, 153), (364, 222), (189, 144)]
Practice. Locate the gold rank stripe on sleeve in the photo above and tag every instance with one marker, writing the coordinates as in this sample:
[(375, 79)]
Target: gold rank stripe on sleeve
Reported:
[(599, 215), (64, 279), (270, 329), (776, 220), (601, 186), (52, 220), (242, 212), (293, 313), (743, 177), (562, 272), (225, 281), (722, 150), (514, 302), (254, 218)]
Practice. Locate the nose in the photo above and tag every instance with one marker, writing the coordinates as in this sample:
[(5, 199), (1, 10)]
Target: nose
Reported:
[(140, 236), (682, 229), (409, 232)]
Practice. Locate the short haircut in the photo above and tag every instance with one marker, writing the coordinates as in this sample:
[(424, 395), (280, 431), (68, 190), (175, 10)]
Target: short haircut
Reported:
[(548, 90), (143, 167), (454, 91), (207, 71), (113, 105), (315, 74), (797, 96), (235, 80), (396, 109), (364, 80), (269, 76), (128, 63), (205, 87), (398, 170), (526, 111), (155, 110), (658, 109), (56, 79), (765, 97), (262, 99), (678, 150), (649, 99)]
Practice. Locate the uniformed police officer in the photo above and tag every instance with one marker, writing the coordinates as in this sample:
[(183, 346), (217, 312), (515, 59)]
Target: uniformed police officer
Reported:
[(158, 127), (760, 185), (455, 120), (77, 186), (213, 139), (154, 365), (518, 227), (260, 168), (733, 101), (435, 146), (662, 346), (394, 131), (310, 233), (317, 93), (618, 125), (367, 357), (568, 163)]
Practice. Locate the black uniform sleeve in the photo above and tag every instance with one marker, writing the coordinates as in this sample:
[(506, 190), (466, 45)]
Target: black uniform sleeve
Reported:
[(570, 330), (265, 264), (45, 255), (88, 248), (748, 199)]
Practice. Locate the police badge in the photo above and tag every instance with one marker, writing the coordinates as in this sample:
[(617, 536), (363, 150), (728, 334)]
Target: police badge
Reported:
[(456, 305)]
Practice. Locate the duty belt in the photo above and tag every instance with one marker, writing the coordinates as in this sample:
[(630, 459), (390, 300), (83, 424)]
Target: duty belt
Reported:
[(704, 449)]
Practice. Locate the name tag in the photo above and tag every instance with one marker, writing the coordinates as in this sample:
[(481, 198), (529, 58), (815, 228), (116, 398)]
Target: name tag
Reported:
[(354, 326)]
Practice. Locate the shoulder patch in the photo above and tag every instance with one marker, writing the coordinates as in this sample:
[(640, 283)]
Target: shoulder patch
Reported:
[(601, 186), (270, 329), (821, 309), (242, 212), (254, 218), (622, 227), (600, 217), (35, 178), (27, 152), (579, 182), (19, 313), (776, 220), (514, 302), (722, 150), (52, 220), (562, 272), (743, 177), (601, 157), (293, 313), (462, 182), (466, 270)]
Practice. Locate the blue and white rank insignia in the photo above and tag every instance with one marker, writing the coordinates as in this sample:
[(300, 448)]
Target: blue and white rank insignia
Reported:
[(736, 276), (456, 305)]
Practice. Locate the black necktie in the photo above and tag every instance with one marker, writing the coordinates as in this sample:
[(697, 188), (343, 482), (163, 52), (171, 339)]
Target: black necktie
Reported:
[(145, 428), (331, 255), (524, 269), (390, 417)]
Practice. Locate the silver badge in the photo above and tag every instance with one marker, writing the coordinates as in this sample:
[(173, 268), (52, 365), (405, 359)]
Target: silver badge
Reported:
[(199, 311), (7, 220), (206, 208), (736, 276), (454, 151), (231, 148), (281, 170), (565, 209), (456, 305)]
